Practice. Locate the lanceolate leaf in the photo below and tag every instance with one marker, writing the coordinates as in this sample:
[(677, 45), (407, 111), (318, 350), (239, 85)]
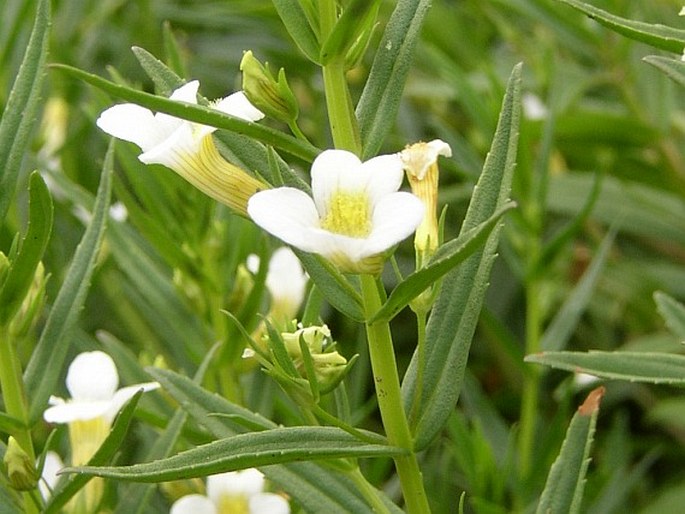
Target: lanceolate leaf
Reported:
[(23, 267), (656, 35), (44, 368), (447, 257), (655, 368), (455, 314), (315, 488), (673, 68), (564, 323), (295, 21), (566, 480), (382, 93), (673, 313), (22, 106), (198, 114), (254, 449)]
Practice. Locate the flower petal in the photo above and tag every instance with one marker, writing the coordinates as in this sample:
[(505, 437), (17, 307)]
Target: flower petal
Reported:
[(75, 411), (92, 376), (268, 503), (286, 213), (246, 482), (395, 218), (193, 504), (285, 279), (239, 106), (383, 176), (330, 170), (49, 477), (125, 394), (132, 123)]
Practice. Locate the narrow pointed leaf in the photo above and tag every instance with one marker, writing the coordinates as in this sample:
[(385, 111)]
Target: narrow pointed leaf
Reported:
[(333, 285), (656, 35), (563, 491), (673, 68), (22, 270), (446, 258), (655, 368), (380, 99), (10, 425), (566, 319), (165, 80), (314, 487), (356, 16), (454, 317), (22, 106), (44, 368), (68, 488), (673, 313), (295, 21), (198, 114), (249, 450)]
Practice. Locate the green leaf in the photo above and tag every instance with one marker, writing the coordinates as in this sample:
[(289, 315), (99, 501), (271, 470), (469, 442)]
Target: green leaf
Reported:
[(10, 425), (454, 317), (445, 259), (333, 285), (253, 449), (23, 268), (656, 35), (673, 313), (198, 114), (315, 488), (44, 368), (68, 488), (567, 317), (673, 68), (382, 93), (165, 80), (295, 20), (563, 491), (133, 499), (354, 20), (655, 368), (22, 106)]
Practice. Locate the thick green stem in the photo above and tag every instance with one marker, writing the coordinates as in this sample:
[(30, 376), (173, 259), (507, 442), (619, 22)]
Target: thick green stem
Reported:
[(341, 116), (387, 382)]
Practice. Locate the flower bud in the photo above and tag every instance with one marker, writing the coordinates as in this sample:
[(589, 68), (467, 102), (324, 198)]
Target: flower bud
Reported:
[(271, 96), (21, 471)]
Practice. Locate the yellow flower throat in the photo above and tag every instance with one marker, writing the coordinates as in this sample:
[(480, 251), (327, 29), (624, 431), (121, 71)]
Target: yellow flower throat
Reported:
[(348, 214)]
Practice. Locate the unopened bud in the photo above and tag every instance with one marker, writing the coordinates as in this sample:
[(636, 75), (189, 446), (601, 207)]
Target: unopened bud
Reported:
[(270, 95), (21, 471)]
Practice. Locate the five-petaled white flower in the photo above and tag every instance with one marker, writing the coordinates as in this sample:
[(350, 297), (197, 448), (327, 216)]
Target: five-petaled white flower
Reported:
[(235, 492), (186, 147), (356, 213)]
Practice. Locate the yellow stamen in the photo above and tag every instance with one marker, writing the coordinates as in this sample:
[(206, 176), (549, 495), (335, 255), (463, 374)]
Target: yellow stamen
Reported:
[(233, 504), (348, 214)]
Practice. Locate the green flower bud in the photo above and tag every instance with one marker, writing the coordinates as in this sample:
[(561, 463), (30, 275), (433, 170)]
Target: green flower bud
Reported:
[(271, 96), (21, 471)]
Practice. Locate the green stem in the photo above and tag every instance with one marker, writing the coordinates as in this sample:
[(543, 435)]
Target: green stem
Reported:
[(388, 393), (368, 491), (14, 396), (531, 384), (341, 116)]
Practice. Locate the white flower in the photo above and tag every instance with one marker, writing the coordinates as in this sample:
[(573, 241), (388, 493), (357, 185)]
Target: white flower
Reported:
[(92, 381), (187, 147), (49, 477), (356, 214), (232, 493)]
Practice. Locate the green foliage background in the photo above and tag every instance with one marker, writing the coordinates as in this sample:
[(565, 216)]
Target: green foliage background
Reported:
[(608, 156)]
